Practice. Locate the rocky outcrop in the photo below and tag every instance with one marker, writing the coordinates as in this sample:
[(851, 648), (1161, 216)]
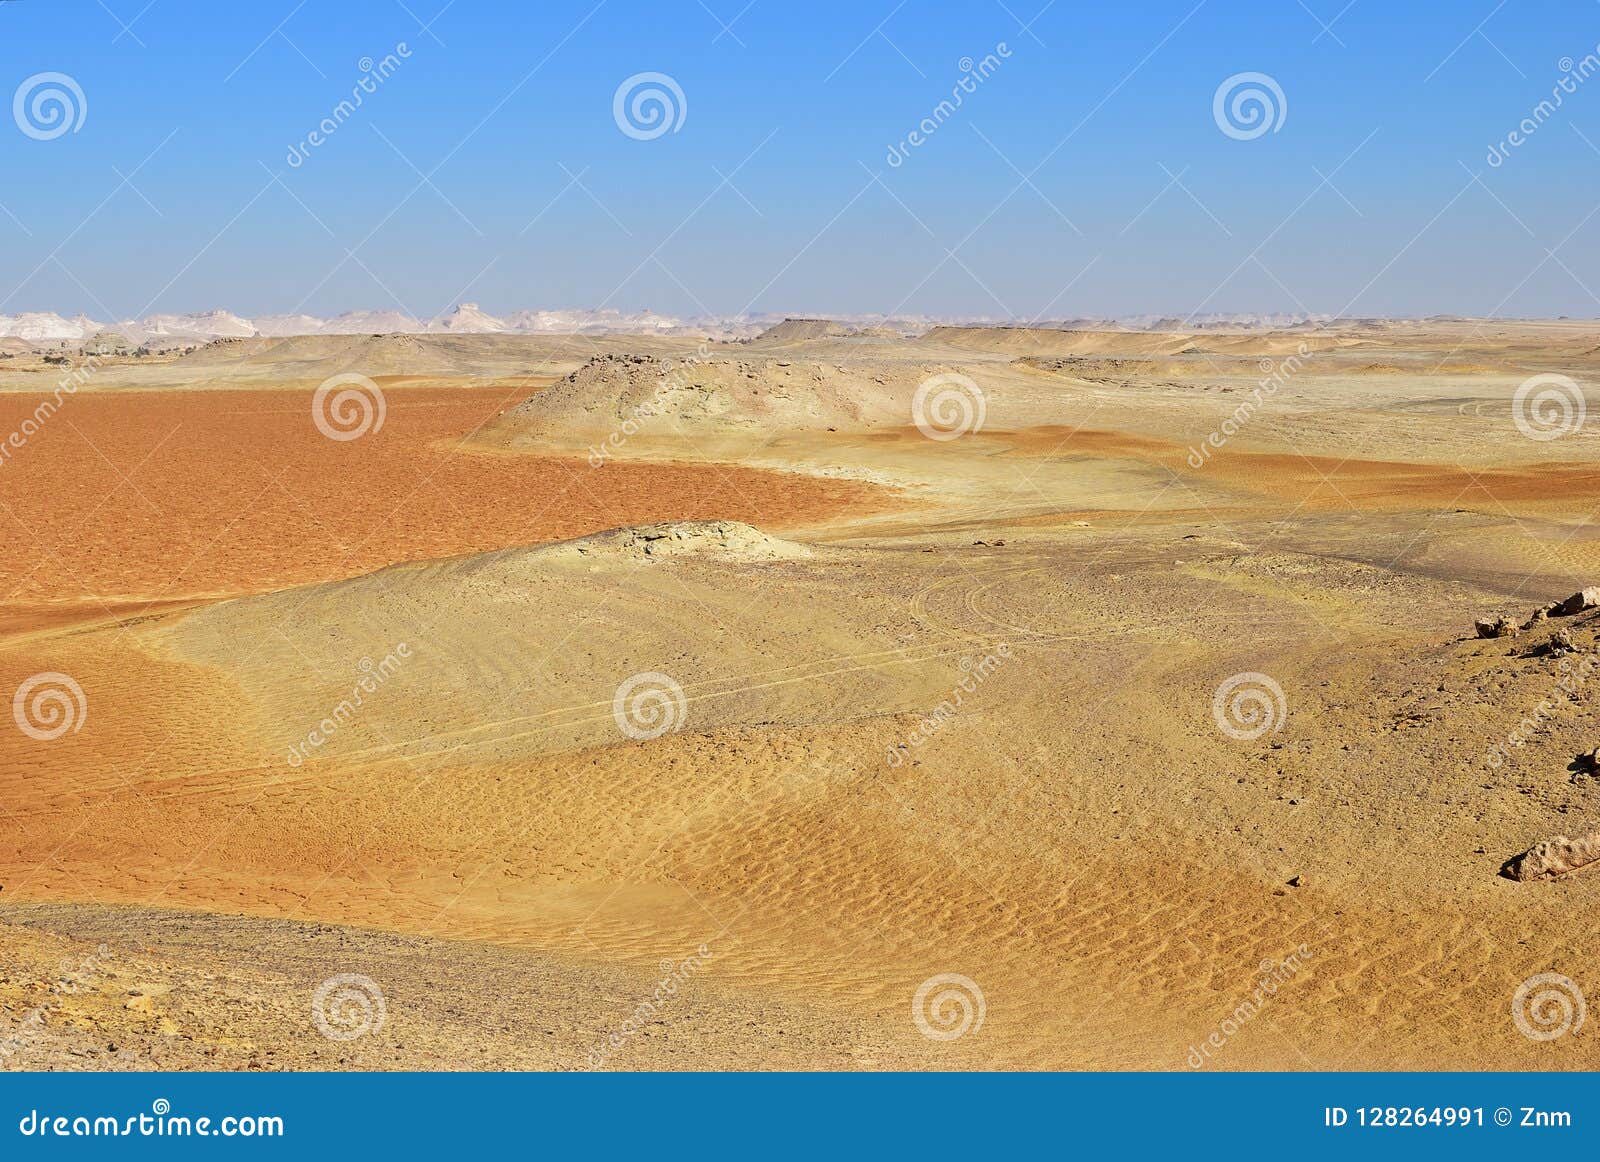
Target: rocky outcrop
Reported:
[(1552, 858), (728, 539), (1580, 601)]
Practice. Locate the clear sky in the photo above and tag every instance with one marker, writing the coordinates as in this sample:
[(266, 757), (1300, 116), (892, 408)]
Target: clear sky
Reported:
[(1085, 174)]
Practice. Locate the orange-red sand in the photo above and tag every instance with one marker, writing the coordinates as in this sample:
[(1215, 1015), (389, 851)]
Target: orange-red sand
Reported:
[(145, 496)]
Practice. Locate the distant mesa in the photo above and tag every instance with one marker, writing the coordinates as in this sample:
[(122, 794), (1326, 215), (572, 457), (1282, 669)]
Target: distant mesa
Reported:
[(792, 329), (468, 317)]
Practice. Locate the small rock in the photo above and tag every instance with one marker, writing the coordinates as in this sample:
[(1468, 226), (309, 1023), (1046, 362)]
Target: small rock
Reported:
[(1554, 646), (1297, 881)]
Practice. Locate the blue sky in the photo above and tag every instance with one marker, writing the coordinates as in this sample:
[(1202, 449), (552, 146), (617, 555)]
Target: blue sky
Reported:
[(1086, 175)]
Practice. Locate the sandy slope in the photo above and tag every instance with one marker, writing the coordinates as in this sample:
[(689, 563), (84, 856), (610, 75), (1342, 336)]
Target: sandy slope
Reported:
[(966, 728)]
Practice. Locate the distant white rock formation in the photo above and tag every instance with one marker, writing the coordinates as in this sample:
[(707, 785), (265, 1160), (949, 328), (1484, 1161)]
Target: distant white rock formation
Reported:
[(47, 329)]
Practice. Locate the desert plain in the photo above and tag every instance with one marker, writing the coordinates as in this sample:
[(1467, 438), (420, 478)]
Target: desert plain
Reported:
[(630, 702)]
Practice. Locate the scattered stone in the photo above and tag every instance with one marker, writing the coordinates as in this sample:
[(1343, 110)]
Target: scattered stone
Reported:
[(1581, 600), (1556, 645), (1297, 881), (1538, 615), (1589, 762), (1502, 626), (1552, 858)]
